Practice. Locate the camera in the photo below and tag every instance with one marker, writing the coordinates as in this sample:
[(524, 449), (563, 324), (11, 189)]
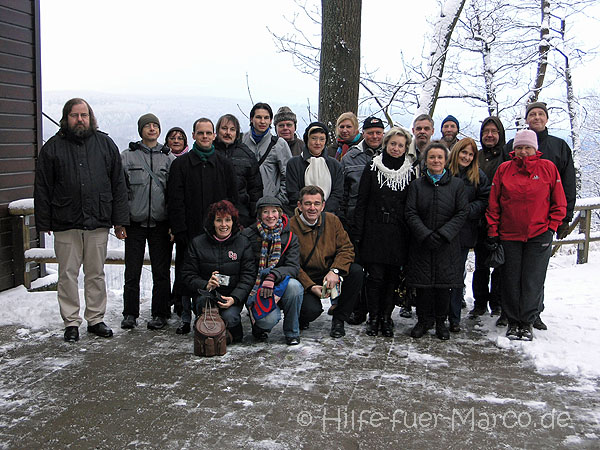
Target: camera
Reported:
[(223, 279)]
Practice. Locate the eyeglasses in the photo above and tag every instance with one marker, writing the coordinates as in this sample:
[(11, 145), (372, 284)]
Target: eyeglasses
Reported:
[(176, 138)]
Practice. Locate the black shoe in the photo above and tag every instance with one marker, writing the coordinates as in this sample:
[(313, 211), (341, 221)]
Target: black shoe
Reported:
[(477, 311), (71, 334), (260, 334), (337, 328), (387, 327), (441, 331), (184, 328), (372, 326), (406, 312), (502, 321), (539, 325), (454, 328), (513, 332), (526, 333), (356, 318), (419, 330), (304, 325), (128, 322), (100, 329), (157, 323), (496, 311), (294, 340)]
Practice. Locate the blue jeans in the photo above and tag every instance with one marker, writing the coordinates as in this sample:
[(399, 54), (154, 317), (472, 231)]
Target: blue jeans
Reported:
[(290, 303)]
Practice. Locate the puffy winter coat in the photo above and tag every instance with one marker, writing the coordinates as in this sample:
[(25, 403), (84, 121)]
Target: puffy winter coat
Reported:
[(296, 168), (273, 168), (490, 158), (249, 181), (289, 263), (477, 197), (147, 198), (526, 199), (440, 207), (232, 257), (79, 184)]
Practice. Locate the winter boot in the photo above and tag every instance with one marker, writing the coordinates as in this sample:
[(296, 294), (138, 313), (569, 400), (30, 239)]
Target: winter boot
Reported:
[(372, 325), (387, 327), (441, 330)]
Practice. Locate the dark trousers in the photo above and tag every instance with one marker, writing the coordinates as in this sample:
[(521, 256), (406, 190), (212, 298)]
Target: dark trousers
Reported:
[(382, 281), (351, 287), (159, 244), (179, 295), (457, 295), (481, 279), (523, 277), (432, 305)]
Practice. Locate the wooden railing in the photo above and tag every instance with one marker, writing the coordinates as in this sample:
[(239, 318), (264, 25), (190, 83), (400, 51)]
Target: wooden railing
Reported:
[(583, 220)]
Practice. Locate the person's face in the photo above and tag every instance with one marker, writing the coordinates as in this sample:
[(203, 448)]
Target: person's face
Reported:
[(346, 130), (465, 156), (78, 120), (204, 134), (373, 137), (490, 135), (449, 131), (269, 216), (227, 132), (523, 151), (436, 160), (261, 120), (422, 130), (316, 143), (175, 142), (223, 225), (311, 207), (396, 146), (537, 119), (286, 129), (150, 132)]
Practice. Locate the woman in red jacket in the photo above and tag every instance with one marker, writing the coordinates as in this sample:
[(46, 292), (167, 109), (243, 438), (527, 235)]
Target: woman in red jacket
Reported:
[(527, 204)]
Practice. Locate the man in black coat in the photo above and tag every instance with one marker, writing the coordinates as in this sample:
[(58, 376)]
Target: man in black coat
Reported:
[(79, 194)]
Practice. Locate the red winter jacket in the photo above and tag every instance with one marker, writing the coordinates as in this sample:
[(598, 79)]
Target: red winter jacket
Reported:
[(526, 199)]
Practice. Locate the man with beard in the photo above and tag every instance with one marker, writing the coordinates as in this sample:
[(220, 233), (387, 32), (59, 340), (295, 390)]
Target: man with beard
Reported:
[(79, 194), (450, 129), (249, 182), (285, 124), (490, 157), (422, 130)]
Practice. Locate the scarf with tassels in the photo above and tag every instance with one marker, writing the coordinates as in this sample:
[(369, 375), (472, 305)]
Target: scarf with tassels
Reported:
[(343, 146), (202, 153), (396, 179), (271, 238)]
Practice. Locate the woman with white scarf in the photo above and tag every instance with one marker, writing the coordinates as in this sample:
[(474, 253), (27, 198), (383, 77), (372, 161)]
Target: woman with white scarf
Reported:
[(379, 228)]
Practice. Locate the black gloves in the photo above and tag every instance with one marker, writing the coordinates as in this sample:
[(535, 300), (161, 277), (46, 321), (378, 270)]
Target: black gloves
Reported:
[(492, 242), (434, 241), (562, 231)]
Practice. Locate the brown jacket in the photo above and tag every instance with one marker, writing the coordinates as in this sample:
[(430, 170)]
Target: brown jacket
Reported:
[(334, 249)]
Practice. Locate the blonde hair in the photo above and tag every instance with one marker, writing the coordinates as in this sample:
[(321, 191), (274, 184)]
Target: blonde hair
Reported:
[(346, 116), (473, 168), (397, 131)]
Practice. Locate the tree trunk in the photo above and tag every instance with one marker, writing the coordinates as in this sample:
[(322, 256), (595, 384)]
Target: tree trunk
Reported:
[(339, 75), (544, 48)]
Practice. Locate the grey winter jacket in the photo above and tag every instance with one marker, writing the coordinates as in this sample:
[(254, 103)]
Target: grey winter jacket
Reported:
[(272, 170), (147, 199)]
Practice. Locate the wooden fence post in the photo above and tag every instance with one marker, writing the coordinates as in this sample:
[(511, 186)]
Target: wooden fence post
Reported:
[(585, 225)]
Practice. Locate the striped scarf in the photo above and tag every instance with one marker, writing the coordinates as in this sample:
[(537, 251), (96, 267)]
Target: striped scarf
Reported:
[(271, 238)]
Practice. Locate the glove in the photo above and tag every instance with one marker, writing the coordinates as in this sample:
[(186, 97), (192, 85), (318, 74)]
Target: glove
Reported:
[(266, 289), (492, 242), (563, 230), (434, 241)]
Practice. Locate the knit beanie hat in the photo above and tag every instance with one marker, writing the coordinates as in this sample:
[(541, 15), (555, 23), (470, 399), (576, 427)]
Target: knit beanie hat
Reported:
[(372, 122), (145, 120), (540, 105), (315, 126), (451, 118), (527, 138), (285, 113), (180, 131)]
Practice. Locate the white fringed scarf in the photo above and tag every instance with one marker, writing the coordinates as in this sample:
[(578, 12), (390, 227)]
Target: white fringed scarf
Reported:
[(394, 179), (317, 174)]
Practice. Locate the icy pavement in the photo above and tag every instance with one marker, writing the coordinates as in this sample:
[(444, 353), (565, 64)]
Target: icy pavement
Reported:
[(145, 389)]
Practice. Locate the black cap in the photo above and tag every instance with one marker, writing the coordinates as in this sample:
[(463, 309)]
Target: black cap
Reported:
[(372, 122)]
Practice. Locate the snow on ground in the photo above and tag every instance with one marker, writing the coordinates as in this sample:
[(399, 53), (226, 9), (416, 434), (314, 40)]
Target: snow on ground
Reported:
[(568, 347)]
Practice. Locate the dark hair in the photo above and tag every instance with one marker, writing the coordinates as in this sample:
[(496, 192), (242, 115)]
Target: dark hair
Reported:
[(436, 144), (223, 207), (176, 130), (311, 190), (261, 105), (64, 121), (423, 117), (202, 120), (473, 168), (229, 118)]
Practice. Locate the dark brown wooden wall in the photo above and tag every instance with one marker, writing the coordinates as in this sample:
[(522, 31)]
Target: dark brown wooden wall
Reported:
[(20, 116)]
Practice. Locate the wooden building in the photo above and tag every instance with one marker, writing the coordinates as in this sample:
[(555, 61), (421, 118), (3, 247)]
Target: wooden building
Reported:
[(20, 120)]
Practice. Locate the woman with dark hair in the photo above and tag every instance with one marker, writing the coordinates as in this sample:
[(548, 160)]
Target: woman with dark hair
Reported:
[(316, 168), (436, 210), (527, 205), (379, 214), (221, 259), (176, 140), (464, 165)]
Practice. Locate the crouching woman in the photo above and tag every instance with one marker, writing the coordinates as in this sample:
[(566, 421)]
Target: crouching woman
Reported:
[(277, 261), (221, 259)]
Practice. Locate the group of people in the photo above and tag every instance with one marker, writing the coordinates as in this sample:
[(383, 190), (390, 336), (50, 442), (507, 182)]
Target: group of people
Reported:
[(276, 224)]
